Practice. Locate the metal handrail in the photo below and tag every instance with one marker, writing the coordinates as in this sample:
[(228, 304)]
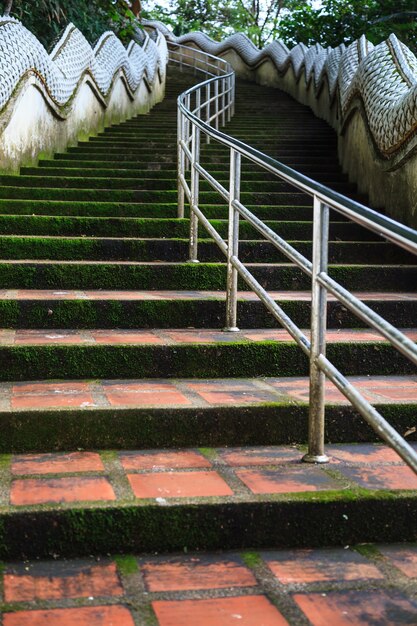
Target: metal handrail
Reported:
[(194, 120)]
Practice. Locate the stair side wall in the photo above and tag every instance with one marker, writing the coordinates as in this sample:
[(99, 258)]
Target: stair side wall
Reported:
[(367, 93), (48, 101)]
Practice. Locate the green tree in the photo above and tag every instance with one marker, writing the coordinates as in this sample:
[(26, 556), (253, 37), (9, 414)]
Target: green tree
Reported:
[(47, 18), (343, 21)]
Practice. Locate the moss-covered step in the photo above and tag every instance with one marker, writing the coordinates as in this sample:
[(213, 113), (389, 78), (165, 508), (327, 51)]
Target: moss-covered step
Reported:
[(205, 276), (96, 172), (117, 509), (42, 416), (152, 183), (72, 309), (73, 182), (70, 181), (143, 195), (159, 224), (71, 160), (170, 249), (64, 355), (150, 226)]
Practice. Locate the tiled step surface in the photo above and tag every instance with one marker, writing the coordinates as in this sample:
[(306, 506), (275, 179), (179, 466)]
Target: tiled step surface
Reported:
[(130, 413), (177, 337), (106, 394), (242, 494), (272, 587), (166, 353)]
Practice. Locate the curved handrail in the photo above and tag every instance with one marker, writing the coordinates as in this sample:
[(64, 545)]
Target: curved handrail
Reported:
[(191, 124)]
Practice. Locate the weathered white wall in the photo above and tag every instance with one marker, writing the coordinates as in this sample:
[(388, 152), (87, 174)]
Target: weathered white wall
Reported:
[(51, 101)]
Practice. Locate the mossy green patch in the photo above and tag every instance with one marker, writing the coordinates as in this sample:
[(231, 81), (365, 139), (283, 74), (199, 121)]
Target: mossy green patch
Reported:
[(209, 453), (252, 559), (126, 564)]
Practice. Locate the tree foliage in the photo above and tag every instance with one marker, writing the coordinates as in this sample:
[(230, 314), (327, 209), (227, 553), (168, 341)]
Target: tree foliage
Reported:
[(343, 21), (47, 18), (329, 22)]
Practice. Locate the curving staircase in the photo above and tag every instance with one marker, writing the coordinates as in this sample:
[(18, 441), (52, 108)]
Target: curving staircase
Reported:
[(130, 420)]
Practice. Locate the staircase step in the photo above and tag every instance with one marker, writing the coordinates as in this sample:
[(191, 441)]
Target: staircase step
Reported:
[(210, 499), (30, 274), (129, 413), (140, 249), (71, 171), (153, 183), (143, 195), (166, 353), (179, 309)]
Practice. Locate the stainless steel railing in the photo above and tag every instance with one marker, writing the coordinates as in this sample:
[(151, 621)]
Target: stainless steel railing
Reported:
[(200, 109)]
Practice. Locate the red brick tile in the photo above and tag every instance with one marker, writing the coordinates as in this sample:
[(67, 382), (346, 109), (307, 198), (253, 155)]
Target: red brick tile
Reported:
[(382, 477), (261, 334), (126, 337), (166, 459), (201, 336), (42, 387), (260, 456), (403, 557), (363, 453), (408, 394), (287, 480), (45, 294), (357, 608), (65, 581), (235, 397), (83, 616), (244, 610), (45, 337), (179, 485), (78, 400), (182, 574), (56, 463), (120, 295), (144, 393), (48, 395), (230, 391), (55, 490), (224, 384), (321, 565)]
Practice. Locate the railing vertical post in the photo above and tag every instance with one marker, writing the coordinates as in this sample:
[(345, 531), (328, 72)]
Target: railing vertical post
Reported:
[(198, 103), (229, 108), (233, 243), (316, 452), (224, 100), (208, 91), (181, 163), (195, 188), (216, 104), (186, 132), (233, 94)]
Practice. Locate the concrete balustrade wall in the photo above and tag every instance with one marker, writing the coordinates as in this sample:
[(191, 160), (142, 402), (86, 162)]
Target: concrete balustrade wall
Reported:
[(367, 93), (50, 100)]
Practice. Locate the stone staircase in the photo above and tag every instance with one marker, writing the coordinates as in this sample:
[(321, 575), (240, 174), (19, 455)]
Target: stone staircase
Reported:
[(130, 420)]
